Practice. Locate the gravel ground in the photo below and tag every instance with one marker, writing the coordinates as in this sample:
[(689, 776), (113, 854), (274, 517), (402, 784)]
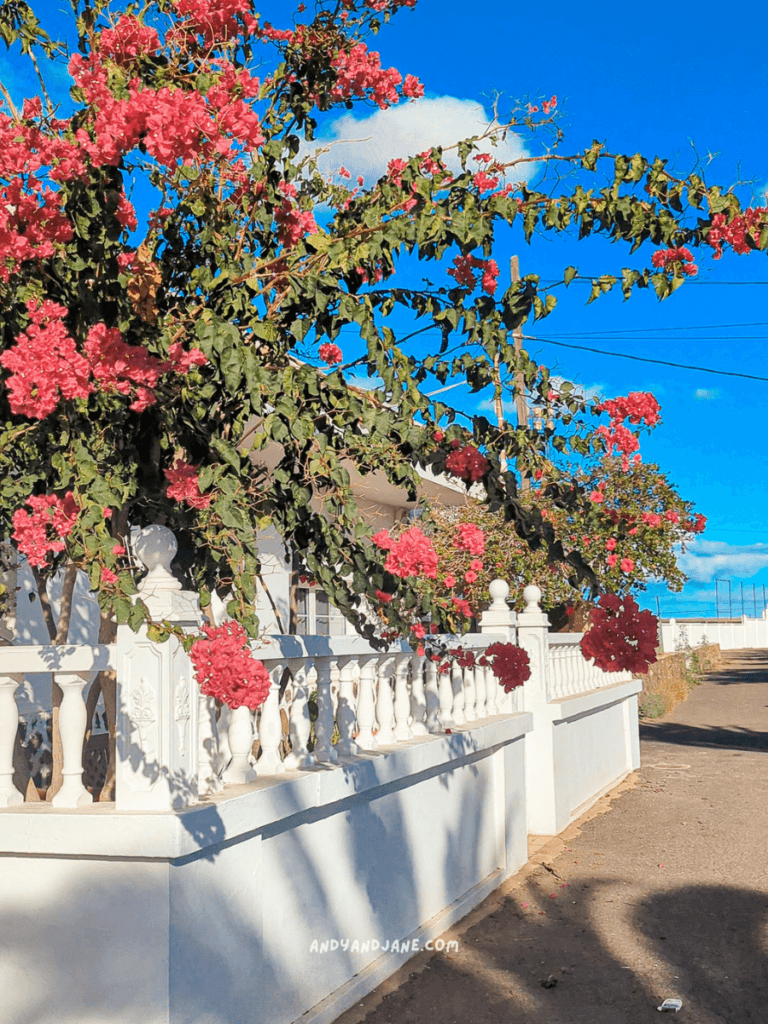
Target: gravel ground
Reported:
[(661, 890)]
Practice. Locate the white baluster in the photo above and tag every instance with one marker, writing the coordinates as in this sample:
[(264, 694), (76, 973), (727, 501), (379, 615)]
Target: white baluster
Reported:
[(402, 707), (481, 697), (365, 704), (299, 724), (432, 697), (240, 737), (385, 712), (491, 691), (457, 685), (271, 728), (207, 742), (445, 691), (72, 726), (324, 750), (345, 715), (418, 697), (469, 694), (9, 725)]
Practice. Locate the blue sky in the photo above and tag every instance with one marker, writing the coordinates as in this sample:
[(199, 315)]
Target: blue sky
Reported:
[(689, 83)]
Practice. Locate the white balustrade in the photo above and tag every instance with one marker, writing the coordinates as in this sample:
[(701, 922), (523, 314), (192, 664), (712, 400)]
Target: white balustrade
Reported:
[(72, 726), (208, 780), (345, 713), (457, 685), (240, 739), (324, 749), (385, 711), (418, 697), (271, 727), (491, 690), (481, 705), (470, 696), (402, 705), (299, 724), (365, 704), (9, 724), (445, 690), (432, 697)]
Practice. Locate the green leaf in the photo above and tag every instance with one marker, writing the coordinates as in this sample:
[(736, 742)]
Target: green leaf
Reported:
[(569, 274)]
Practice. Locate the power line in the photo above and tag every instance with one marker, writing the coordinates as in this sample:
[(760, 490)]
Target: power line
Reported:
[(654, 330), (589, 279), (643, 359)]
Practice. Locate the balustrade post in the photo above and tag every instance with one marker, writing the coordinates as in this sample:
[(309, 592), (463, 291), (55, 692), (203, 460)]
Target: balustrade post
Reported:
[(432, 698), (491, 690), (324, 749), (402, 706), (418, 696), (501, 620), (445, 690), (72, 726), (240, 738), (157, 693), (533, 637), (9, 726), (271, 728), (481, 698), (299, 724), (385, 712), (457, 686), (208, 780), (365, 704), (345, 715), (470, 696)]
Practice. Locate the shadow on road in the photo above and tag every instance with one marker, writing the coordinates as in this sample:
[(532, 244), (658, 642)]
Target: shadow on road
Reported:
[(738, 738)]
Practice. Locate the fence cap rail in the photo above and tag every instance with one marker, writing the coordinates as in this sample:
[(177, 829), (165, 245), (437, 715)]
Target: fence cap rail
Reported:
[(58, 658), (282, 646)]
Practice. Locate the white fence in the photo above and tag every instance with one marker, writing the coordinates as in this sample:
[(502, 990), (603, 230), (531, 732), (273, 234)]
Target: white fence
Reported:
[(730, 634), (206, 892)]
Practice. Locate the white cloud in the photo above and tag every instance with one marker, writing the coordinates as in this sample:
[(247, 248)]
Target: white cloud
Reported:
[(366, 145), (706, 559), (706, 394)]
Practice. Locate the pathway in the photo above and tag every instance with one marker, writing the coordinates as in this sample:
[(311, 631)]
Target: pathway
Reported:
[(665, 895)]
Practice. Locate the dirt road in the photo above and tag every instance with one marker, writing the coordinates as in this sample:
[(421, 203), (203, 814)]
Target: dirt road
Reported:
[(664, 894)]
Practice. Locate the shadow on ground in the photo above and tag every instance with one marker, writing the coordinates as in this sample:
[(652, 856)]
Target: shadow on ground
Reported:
[(602, 952), (737, 737)]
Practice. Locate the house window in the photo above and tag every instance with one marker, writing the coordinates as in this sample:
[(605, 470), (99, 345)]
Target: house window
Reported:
[(316, 615)]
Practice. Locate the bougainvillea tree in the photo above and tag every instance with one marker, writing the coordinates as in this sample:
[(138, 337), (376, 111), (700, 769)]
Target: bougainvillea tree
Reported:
[(176, 272), (629, 531)]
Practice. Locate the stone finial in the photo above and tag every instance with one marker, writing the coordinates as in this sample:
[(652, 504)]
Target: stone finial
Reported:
[(499, 591), (155, 547), (532, 597)]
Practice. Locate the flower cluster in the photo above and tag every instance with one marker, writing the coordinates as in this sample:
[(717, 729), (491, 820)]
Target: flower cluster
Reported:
[(637, 407), (44, 363), (742, 229), (621, 636), (183, 485), (330, 353), (467, 464), (511, 664), (463, 270), (411, 554), (43, 530), (664, 257), (469, 537), (359, 74), (226, 669)]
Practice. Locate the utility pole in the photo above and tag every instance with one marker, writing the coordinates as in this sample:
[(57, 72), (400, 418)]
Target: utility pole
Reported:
[(741, 584), (521, 406)]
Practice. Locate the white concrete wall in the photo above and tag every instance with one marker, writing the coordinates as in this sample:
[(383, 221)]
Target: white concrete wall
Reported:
[(207, 916), (730, 634)]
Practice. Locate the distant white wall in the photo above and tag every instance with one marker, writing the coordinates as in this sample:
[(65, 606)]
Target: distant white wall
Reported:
[(730, 634)]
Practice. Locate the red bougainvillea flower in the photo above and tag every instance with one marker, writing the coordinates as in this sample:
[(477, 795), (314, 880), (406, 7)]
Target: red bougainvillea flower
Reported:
[(412, 554), (621, 636), (383, 596), (467, 464), (183, 485), (108, 577), (330, 353), (471, 538), (43, 530), (226, 669), (511, 664)]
